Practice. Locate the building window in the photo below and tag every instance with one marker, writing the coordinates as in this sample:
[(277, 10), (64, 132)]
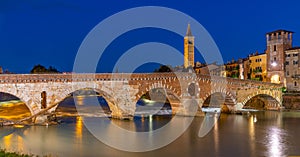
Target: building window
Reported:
[(274, 58), (287, 63), (295, 62), (295, 55), (275, 48), (287, 73), (295, 83)]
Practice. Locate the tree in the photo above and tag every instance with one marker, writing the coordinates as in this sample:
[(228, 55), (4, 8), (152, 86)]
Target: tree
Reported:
[(163, 68), (39, 69), (51, 69)]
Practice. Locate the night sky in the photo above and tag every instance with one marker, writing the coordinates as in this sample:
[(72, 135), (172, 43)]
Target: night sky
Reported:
[(50, 32)]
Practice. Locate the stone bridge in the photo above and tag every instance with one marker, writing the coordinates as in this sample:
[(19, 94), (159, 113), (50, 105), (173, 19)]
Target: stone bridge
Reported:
[(122, 90)]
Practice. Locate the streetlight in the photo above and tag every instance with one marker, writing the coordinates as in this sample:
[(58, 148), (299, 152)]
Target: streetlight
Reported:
[(274, 64)]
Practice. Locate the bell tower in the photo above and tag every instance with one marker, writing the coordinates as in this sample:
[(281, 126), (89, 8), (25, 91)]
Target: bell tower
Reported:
[(189, 48), (277, 42)]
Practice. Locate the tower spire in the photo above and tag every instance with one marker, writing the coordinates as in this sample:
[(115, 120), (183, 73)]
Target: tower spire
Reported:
[(188, 31)]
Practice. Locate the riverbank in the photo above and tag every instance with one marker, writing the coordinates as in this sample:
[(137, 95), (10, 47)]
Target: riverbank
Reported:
[(4, 153)]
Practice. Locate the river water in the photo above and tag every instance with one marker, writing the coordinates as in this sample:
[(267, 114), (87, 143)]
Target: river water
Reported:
[(262, 133)]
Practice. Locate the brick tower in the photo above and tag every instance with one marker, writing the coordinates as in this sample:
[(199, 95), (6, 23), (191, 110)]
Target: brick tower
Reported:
[(189, 48), (277, 42)]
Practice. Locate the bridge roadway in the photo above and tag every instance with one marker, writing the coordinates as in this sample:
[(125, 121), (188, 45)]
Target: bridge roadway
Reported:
[(184, 91)]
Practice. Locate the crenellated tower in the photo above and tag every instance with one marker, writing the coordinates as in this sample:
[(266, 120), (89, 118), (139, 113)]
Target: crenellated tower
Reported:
[(277, 42)]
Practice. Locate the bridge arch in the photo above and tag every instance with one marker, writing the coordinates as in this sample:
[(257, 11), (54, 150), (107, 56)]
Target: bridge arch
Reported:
[(107, 97), (169, 89), (19, 97), (171, 93), (272, 101), (218, 98)]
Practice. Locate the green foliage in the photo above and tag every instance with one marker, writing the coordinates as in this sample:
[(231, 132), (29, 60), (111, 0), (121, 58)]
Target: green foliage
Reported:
[(39, 69), (283, 89), (4, 153), (234, 76), (257, 70)]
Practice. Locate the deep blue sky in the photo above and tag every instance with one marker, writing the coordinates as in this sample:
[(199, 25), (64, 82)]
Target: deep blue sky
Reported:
[(49, 32)]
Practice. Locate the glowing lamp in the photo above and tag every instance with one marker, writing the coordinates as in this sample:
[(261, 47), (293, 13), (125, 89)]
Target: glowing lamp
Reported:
[(274, 64)]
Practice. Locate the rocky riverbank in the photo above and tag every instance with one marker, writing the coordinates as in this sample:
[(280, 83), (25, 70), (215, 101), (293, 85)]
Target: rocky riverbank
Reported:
[(4, 153)]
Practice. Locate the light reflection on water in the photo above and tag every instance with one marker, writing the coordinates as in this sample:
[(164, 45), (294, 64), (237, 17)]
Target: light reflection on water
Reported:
[(260, 134), (276, 142), (252, 121)]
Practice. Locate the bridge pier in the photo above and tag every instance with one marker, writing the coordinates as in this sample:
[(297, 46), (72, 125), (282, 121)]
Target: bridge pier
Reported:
[(41, 119), (117, 113), (238, 106), (188, 107), (122, 108)]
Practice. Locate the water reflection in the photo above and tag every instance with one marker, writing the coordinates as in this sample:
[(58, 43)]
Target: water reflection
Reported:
[(14, 141), (259, 134), (7, 140), (78, 132), (79, 127), (216, 135), (252, 121), (276, 142), (210, 121)]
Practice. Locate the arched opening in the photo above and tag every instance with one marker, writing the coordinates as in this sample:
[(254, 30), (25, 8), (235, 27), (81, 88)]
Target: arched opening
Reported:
[(153, 110), (12, 108), (88, 102), (261, 102), (154, 102), (217, 102)]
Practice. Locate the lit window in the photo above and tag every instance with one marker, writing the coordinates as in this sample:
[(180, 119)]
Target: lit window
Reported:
[(275, 79)]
